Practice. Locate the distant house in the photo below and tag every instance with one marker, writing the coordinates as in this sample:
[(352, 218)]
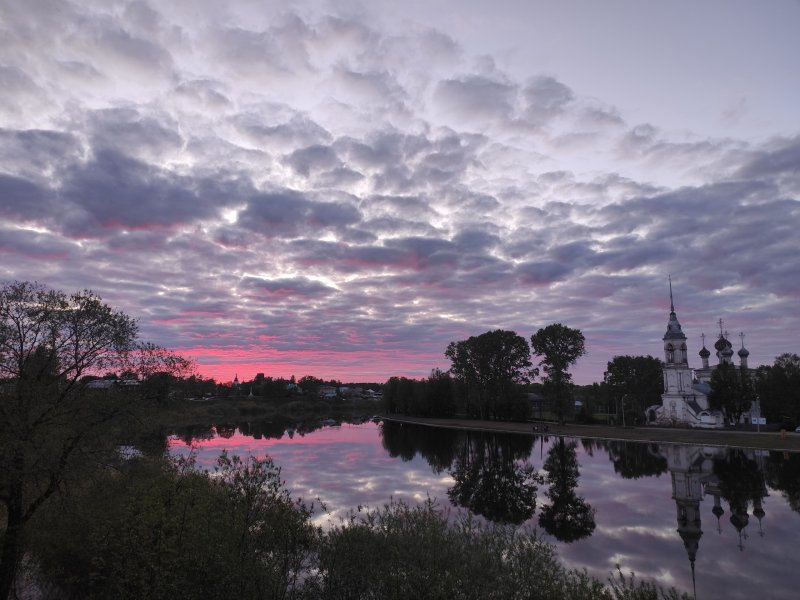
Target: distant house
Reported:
[(327, 391), (101, 384)]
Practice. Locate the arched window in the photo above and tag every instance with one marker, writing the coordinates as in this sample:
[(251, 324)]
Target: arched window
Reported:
[(670, 353), (683, 353)]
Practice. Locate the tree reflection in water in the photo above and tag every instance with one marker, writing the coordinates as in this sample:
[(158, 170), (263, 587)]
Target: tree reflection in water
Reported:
[(491, 481), (568, 517), (492, 476)]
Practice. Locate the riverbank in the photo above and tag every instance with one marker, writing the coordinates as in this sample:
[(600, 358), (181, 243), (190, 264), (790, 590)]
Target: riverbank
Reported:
[(790, 442)]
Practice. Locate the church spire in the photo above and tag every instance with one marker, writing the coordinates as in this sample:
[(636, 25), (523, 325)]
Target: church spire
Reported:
[(671, 303)]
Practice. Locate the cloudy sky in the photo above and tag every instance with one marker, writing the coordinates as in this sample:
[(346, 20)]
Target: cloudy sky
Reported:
[(342, 188)]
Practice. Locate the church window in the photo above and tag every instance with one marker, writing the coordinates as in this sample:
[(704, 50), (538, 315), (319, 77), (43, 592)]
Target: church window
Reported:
[(670, 353)]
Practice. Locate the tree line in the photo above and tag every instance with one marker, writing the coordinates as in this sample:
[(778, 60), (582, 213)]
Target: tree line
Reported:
[(488, 373)]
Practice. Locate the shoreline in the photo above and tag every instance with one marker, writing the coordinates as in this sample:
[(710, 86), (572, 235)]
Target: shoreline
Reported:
[(749, 440)]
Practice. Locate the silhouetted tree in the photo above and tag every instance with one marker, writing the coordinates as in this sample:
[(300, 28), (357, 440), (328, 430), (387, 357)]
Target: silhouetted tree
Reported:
[(559, 347), (492, 366), (50, 424), (778, 388), (731, 391), (634, 383)]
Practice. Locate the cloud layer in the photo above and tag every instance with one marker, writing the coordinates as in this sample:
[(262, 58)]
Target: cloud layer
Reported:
[(319, 191)]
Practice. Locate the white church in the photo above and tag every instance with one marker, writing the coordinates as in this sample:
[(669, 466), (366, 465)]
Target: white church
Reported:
[(685, 398)]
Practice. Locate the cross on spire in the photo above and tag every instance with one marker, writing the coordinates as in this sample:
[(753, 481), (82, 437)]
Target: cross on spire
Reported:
[(703, 337), (720, 327), (741, 335)]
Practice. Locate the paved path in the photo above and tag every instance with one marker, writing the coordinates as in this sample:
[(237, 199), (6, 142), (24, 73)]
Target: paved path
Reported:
[(790, 442)]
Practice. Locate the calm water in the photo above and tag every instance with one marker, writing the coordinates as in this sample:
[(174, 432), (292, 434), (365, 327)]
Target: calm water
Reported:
[(651, 508)]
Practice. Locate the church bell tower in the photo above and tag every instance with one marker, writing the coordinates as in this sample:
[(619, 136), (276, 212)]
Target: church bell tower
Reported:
[(677, 374)]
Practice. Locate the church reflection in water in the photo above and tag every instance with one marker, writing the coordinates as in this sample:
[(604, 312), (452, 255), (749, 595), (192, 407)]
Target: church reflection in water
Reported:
[(697, 473)]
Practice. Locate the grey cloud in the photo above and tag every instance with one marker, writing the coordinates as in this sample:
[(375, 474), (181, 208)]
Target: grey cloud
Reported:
[(378, 88), (477, 97), (115, 191), (339, 177), (271, 125), (24, 200), (128, 130), (37, 154), (79, 70), (545, 98), (278, 51), (31, 244), (286, 213), (474, 240), (313, 159), (779, 158), (397, 225), (286, 288), (20, 93), (115, 44), (204, 91), (346, 258)]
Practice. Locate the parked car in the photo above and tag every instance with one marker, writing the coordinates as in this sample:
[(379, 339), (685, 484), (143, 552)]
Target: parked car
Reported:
[(797, 429)]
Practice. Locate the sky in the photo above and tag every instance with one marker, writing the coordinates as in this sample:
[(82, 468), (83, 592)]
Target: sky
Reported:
[(342, 188)]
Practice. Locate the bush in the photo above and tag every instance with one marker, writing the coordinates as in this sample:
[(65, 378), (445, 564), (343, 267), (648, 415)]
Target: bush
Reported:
[(154, 529)]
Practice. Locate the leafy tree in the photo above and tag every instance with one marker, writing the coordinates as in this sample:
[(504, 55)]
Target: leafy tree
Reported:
[(559, 347), (439, 398), (634, 382), (731, 391), (568, 517), (492, 366), (50, 424), (778, 388)]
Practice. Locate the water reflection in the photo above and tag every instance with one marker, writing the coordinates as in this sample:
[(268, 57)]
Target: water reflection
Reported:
[(727, 519), (568, 517)]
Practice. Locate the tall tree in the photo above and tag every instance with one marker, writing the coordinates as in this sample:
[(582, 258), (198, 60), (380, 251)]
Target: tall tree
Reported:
[(731, 391), (634, 382), (492, 366), (50, 424), (778, 388), (559, 347)]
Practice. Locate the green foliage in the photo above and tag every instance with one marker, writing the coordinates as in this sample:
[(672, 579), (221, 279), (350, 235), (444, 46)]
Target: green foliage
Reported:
[(559, 347), (402, 552), (167, 531), (731, 390), (144, 528), (778, 387), (627, 588), (491, 367), (634, 383), (432, 397)]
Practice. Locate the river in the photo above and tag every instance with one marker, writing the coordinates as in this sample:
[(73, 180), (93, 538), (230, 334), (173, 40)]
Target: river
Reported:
[(724, 523)]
